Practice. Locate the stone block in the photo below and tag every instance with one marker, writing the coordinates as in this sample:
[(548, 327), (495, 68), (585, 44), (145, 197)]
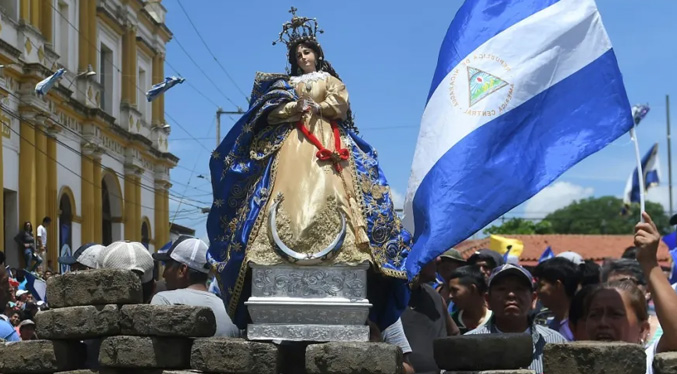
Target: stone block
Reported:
[(353, 358), (665, 363), (145, 352), (94, 287), (167, 320), (470, 352), (78, 322), (234, 356), (41, 356), (594, 357)]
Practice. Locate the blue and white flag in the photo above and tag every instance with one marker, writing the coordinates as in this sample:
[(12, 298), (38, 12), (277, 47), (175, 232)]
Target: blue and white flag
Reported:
[(523, 90), (46, 84), (160, 88), (652, 175), (36, 286), (546, 255), (671, 241)]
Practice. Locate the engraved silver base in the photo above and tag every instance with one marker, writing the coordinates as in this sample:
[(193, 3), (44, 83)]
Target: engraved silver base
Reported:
[(313, 333), (309, 303)]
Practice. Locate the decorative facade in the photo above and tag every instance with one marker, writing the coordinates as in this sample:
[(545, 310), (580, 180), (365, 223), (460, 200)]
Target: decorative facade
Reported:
[(93, 153)]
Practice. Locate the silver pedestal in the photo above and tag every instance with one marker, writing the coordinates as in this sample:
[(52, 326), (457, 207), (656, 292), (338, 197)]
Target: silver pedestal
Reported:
[(309, 303)]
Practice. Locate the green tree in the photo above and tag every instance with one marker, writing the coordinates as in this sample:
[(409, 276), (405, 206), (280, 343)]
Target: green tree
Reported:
[(602, 215), (520, 226)]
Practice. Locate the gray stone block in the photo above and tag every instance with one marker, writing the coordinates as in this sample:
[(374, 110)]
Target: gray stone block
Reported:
[(234, 356), (594, 357), (138, 352), (665, 363), (470, 352), (167, 320), (94, 287), (41, 356), (78, 322), (354, 358)]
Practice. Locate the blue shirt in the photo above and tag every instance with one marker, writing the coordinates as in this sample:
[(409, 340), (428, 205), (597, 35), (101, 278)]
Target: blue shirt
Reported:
[(7, 332)]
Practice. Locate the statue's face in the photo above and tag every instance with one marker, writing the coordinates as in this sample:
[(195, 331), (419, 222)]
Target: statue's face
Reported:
[(305, 58)]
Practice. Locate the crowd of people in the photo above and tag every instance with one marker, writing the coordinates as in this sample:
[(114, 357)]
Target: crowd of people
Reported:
[(562, 299)]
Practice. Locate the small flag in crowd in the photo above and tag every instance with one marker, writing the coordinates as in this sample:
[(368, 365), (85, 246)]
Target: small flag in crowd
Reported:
[(160, 88), (46, 84), (506, 246), (503, 120), (546, 255), (671, 241), (37, 287), (639, 111), (650, 171)]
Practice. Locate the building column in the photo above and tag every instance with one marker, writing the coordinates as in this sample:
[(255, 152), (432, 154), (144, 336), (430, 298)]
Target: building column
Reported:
[(91, 34), (167, 213), (27, 175), (137, 208), (83, 41), (25, 11), (35, 13), (98, 204), (87, 198), (52, 203), (46, 20), (129, 68), (40, 176), (130, 206), (161, 99)]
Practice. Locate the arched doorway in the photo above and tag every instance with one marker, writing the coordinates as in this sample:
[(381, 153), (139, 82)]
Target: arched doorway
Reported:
[(111, 215), (145, 235), (65, 229), (106, 217)]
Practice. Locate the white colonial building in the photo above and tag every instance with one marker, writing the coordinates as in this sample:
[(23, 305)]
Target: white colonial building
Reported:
[(92, 154)]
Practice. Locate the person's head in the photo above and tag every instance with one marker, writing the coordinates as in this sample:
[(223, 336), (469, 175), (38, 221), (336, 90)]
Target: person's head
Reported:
[(630, 253), (556, 281), (625, 269), (577, 313), (306, 57), (487, 260), (46, 221), (15, 318), (467, 285), (130, 256), (28, 227), (617, 311), (449, 262), (591, 273), (5, 293), (47, 274), (27, 329), (22, 295), (86, 257), (511, 294), (185, 263)]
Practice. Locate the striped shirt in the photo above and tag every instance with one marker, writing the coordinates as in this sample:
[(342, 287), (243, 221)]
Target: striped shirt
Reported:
[(540, 335)]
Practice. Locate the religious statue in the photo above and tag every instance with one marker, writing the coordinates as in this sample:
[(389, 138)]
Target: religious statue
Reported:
[(294, 184)]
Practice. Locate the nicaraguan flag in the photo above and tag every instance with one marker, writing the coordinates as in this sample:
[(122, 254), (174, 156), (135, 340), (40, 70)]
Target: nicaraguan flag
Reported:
[(671, 241), (523, 90), (652, 175), (546, 255), (160, 88), (46, 84)]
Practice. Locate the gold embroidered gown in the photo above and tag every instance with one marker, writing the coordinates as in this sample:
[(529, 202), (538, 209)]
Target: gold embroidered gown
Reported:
[(314, 192)]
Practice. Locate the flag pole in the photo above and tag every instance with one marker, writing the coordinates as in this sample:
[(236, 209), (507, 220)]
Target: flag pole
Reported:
[(667, 116), (640, 172)]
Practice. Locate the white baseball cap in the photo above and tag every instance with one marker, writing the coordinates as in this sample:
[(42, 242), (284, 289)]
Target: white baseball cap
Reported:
[(189, 251), (572, 256), (129, 256), (87, 255)]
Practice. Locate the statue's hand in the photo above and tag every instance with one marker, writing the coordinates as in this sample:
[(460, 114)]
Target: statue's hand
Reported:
[(311, 106)]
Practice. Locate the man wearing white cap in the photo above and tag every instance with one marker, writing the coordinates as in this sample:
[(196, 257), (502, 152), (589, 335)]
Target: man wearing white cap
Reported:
[(85, 258), (130, 256), (186, 274)]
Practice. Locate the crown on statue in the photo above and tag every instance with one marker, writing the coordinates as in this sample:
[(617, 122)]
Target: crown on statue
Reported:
[(298, 30)]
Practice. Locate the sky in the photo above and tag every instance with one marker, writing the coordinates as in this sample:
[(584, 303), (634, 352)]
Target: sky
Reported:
[(386, 53)]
